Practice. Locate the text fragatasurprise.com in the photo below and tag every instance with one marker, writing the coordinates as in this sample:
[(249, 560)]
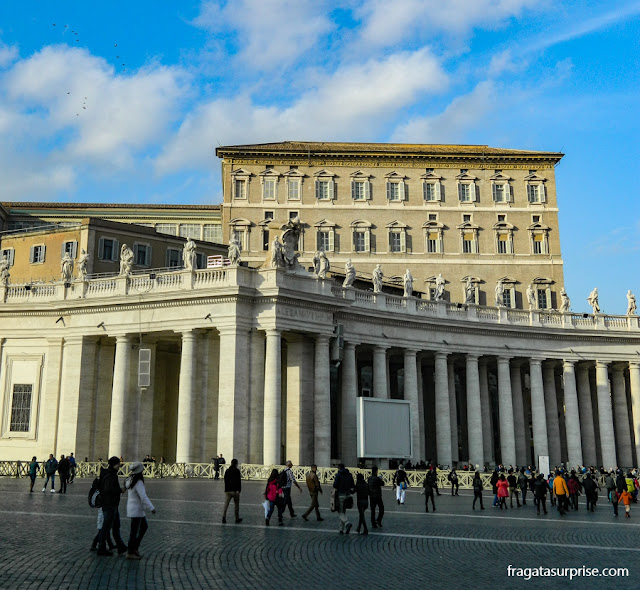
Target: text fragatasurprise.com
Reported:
[(566, 572)]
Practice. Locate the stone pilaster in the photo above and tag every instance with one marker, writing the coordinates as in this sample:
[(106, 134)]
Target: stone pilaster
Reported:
[(605, 416), (538, 413), (186, 429), (572, 415), (120, 396), (505, 409), (322, 403), (474, 413), (443, 414), (272, 399), (587, 429), (551, 408), (621, 416)]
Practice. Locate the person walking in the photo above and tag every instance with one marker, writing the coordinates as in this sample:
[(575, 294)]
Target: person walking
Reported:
[(494, 487), (610, 483), (540, 490), (137, 500), (287, 485), (427, 490), (561, 492), (400, 483), (344, 486), (110, 492), (96, 539), (477, 491), (626, 498), (362, 502), (514, 490), (455, 485), (273, 494), (523, 484), (50, 468), (590, 491), (375, 496), (503, 491), (64, 468), (72, 467), (232, 489), (313, 483), (218, 462), (574, 486), (33, 472)]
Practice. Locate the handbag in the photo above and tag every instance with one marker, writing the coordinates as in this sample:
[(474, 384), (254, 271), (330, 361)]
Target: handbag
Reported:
[(404, 485), (348, 502)]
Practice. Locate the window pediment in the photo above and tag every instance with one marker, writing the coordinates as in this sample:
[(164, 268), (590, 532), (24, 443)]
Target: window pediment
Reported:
[(508, 281), (543, 281), (467, 225), (500, 178), (534, 178), (431, 177), (433, 225), (538, 227), (503, 225), (466, 177), (476, 280), (361, 223), (293, 174), (240, 222), (324, 174), (397, 225), (325, 223), (269, 173), (241, 173), (360, 175), (391, 176)]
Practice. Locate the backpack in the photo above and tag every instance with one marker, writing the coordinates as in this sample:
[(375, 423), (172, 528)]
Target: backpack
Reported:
[(95, 499), (282, 479)]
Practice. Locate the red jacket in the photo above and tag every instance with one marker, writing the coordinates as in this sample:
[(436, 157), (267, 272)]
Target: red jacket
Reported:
[(503, 488)]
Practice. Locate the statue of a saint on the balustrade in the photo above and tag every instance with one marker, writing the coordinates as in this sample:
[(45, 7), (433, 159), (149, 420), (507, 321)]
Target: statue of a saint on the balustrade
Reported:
[(377, 279), (349, 274), (126, 260), (66, 268), (531, 297), (565, 302), (408, 283), (440, 283), (592, 300), (83, 263), (499, 294), (290, 243), (233, 253), (189, 258), (469, 291), (631, 303), (321, 264), (4, 271), (277, 255)]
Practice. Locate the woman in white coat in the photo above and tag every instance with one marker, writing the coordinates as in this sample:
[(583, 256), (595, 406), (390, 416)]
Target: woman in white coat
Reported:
[(137, 500)]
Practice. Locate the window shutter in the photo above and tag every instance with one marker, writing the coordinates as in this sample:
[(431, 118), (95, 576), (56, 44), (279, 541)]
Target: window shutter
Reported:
[(331, 240), (136, 248), (390, 240), (147, 258), (472, 192), (529, 193), (388, 191), (74, 250), (460, 189), (144, 367), (317, 189), (436, 186), (401, 192), (367, 190), (403, 241), (424, 191), (44, 255), (331, 189), (116, 251), (319, 240), (543, 197), (32, 253), (12, 254), (101, 248), (63, 249), (493, 191), (353, 190), (507, 192), (367, 241)]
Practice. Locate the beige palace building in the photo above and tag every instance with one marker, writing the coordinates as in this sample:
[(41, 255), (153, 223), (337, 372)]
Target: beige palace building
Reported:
[(266, 363)]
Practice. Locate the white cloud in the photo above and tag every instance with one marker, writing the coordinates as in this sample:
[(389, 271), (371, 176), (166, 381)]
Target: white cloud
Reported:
[(270, 34), (8, 54), (353, 103)]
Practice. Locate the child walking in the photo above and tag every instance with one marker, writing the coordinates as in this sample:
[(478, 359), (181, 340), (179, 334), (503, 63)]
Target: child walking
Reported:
[(136, 502), (626, 498)]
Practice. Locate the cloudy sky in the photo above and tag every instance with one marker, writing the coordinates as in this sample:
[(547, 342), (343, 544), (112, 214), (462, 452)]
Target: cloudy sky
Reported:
[(112, 102)]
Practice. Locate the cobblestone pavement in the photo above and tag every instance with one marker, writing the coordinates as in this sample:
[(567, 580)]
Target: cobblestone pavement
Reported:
[(45, 539)]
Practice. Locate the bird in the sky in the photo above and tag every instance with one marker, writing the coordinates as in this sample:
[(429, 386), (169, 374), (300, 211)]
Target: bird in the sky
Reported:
[(85, 108), (68, 92), (115, 45), (54, 24)]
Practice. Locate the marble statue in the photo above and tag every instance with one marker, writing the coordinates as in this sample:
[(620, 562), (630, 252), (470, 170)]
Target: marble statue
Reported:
[(66, 268), (531, 297), (565, 302), (408, 284), (233, 253), (290, 242), (349, 274), (277, 254), (189, 258), (83, 263), (321, 264), (592, 300), (377, 279), (499, 294), (631, 303), (126, 260), (440, 282), (469, 291), (4, 271)]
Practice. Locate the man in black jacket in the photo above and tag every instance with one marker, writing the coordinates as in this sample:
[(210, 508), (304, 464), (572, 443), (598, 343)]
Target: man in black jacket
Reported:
[(540, 489), (345, 487), (232, 489), (110, 492), (375, 496), (64, 467)]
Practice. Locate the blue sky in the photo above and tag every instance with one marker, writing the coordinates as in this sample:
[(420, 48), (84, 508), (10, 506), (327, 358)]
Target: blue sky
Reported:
[(126, 103)]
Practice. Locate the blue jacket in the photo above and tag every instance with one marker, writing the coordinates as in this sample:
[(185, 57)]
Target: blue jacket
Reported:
[(344, 482)]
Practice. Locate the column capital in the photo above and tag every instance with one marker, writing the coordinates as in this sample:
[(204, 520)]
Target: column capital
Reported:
[(322, 338), (617, 367), (568, 364), (602, 364), (535, 362), (411, 351), (350, 344), (634, 365), (123, 337), (439, 354), (383, 347), (502, 359), (272, 332)]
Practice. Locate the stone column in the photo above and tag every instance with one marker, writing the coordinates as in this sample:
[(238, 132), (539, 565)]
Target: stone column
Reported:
[(551, 408), (621, 417), (300, 387), (422, 430), (256, 401), (587, 430), (120, 395), (349, 394), (186, 400), (272, 399), (322, 403), (144, 427), (634, 382), (538, 414), (442, 408), (520, 428), (605, 415), (572, 415), (487, 430), (411, 395), (380, 382), (505, 410), (474, 413), (453, 410)]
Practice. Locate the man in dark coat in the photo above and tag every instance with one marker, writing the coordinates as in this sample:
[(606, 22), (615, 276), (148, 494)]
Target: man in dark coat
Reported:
[(344, 487), (375, 495), (232, 489), (110, 491), (64, 468)]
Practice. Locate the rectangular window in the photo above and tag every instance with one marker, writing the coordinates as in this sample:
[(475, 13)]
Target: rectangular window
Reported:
[(499, 193), (293, 189), (433, 217), (292, 215), (21, 408), (467, 243), (503, 243), (268, 214), (269, 189), (466, 219), (358, 192), (537, 244), (108, 249), (535, 218), (212, 232), (71, 248), (432, 242), (542, 299), (464, 192), (240, 187), (429, 191), (506, 298), (393, 191), (360, 241), (324, 240), (37, 253), (9, 254), (501, 218), (535, 193), (173, 258), (142, 254), (395, 242), (324, 190), (191, 230), (167, 228), (265, 240)]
